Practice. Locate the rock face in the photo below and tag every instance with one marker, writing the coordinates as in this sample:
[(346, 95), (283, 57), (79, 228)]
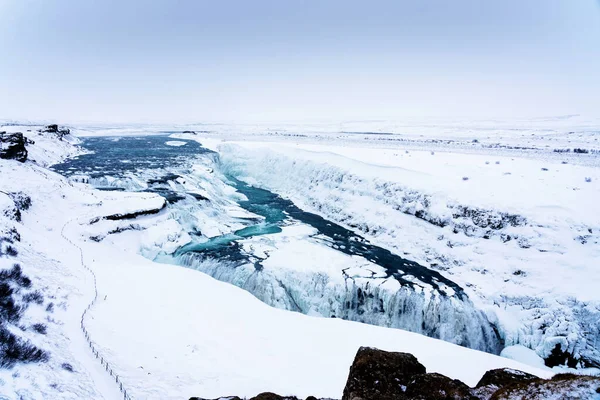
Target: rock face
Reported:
[(437, 387), (503, 377), (382, 375), (60, 133), (261, 396), (561, 386), (12, 146)]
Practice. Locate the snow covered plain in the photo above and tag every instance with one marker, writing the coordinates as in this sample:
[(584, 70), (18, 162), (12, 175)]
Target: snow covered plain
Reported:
[(171, 332)]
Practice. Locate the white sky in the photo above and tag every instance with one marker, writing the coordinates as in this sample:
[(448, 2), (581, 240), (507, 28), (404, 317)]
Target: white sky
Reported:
[(195, 61)]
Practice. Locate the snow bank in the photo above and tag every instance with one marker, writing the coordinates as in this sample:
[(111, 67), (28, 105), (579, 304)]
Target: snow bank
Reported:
[(520, 239), (182, 333), (294, 276), (170, 332)]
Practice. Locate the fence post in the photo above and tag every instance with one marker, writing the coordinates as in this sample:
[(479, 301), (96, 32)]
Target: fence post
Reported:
[(89, 306)]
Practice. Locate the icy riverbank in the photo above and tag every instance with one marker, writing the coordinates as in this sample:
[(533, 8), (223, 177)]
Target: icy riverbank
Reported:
[(497, 233), (167, 331)]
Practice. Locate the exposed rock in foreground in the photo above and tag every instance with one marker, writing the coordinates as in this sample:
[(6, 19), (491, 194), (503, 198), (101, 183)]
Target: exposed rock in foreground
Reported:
[(12, 146), (261, 396), (381, 375)]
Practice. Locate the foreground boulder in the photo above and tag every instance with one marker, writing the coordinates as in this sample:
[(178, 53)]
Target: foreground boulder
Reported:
[(12, 146), (382, 375), (261, 396), (437, 387), (496, 379), (503, 377), (561, 386)]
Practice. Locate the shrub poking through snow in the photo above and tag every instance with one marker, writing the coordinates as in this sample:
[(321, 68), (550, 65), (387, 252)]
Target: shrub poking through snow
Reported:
[(40, 328), (465, 178), (10, 311), (15, 274), (14, 349), (34, 297), (588, 179), (11, 212), (21, 200), (67, 367), (581, 151), (11, 251)]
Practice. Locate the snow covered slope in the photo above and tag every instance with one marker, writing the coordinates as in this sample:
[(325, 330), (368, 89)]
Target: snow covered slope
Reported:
[(167, 331), (520, 234)]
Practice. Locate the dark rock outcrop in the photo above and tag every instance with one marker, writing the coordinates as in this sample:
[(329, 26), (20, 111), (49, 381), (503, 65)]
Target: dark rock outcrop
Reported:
[(272, 396), (261, 396), (12, 146), (52, 128), (561, 386), (131, 215), (437, 387), (504, 376), (382, 375), (559, 357), (218, 398), (59, 132)]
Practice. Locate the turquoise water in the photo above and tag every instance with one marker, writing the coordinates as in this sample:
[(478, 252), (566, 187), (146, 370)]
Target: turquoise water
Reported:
[(277, 211), (117, 157)]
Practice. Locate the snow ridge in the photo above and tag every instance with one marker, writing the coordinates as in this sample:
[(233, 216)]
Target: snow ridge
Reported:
[(95, 351), (488, 248), (379, 301)]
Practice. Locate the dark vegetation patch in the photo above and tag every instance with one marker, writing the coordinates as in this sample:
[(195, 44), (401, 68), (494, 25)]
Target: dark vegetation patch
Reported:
[(34, 297), (67, 367), (14, 300), (10, 251), (40, 328), (14, 349), (22, 201)]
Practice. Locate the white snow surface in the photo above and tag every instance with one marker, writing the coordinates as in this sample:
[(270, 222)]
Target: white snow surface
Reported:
[(175, 143), (519, 230), (167, 331)]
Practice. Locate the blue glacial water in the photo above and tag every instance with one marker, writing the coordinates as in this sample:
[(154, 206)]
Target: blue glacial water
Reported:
[(448, 314), (120, 156)]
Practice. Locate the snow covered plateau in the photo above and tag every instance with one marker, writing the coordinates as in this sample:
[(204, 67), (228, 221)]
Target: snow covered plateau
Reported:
[(239, 259)]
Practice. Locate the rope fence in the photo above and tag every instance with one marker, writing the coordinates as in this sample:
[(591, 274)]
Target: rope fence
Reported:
[(95, 352)]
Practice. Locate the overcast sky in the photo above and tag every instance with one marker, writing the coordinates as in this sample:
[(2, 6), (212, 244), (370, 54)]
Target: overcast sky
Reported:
[(184, 61)]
